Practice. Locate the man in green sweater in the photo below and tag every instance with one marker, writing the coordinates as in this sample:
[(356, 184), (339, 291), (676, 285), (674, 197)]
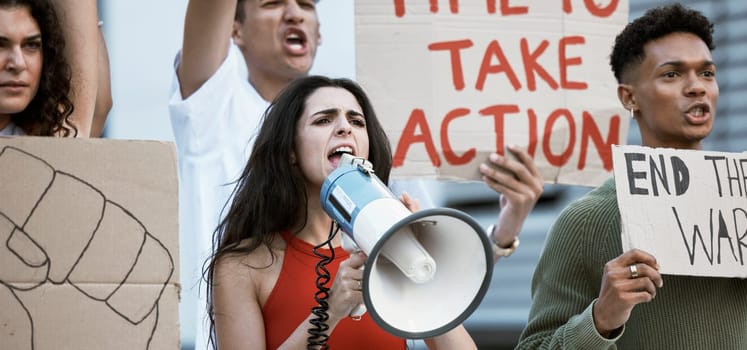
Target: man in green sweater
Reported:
[(589, 294)]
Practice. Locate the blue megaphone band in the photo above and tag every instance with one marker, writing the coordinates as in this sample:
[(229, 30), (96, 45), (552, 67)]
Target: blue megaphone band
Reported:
[(347, 190)]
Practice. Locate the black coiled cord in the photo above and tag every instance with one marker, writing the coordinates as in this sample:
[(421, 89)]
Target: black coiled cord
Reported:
[(318, 334)]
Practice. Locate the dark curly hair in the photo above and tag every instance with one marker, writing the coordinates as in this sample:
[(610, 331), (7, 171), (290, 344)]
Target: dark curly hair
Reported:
[(49, 111), (656, 23), (270, 195)]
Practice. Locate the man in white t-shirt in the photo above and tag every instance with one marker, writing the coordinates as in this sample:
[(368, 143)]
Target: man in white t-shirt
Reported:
[(216, 109)]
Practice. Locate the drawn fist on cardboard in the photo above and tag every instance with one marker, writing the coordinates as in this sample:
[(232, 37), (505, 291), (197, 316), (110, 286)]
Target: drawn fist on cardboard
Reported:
[(37, 262)]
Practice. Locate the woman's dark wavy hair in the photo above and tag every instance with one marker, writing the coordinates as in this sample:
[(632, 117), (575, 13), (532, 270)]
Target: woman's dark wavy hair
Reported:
[(270, 195), (656, 23), (49, 111)]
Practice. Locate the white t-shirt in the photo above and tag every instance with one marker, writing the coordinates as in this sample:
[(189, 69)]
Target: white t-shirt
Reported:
[(213, 129)]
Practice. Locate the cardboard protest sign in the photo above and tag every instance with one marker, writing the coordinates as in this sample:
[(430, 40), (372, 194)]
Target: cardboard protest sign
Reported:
[(88, 244), (687, 208), (454, 81)]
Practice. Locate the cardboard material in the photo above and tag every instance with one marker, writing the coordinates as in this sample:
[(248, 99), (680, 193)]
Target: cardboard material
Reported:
[(88, 244), (687, 208), (454, 81)]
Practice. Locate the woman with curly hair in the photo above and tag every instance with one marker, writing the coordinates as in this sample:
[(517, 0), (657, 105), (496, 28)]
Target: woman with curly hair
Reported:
[(48, 67)]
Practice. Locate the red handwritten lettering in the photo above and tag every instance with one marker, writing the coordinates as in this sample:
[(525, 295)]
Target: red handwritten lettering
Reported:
[(409, 137), (506, 9), (449, 154), (457, 75), (589, 130), (494, 50), (417, 131), (399, 7), (553, 159), (531, 65), (498, 112), (532, 146), (494, 61), (564, 62), (593, 8)]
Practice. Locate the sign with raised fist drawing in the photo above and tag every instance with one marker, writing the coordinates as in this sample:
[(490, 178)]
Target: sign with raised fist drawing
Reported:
[(88, 244)]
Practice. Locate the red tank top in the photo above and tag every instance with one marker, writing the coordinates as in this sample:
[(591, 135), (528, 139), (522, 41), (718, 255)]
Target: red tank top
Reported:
[(292, 298)]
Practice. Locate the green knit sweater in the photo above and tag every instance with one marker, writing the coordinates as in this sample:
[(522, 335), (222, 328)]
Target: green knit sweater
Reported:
[(687, 313)]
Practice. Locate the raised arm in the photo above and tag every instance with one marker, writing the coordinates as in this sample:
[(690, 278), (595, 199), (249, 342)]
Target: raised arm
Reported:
[(104, 89), (520, 185), (78, 19), (207, 33)]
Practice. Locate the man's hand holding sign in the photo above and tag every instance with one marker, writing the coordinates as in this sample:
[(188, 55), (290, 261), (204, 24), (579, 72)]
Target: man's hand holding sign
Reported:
[(687, 208)]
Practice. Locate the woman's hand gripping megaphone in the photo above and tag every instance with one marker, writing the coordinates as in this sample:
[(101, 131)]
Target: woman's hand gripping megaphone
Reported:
[(351, 247)]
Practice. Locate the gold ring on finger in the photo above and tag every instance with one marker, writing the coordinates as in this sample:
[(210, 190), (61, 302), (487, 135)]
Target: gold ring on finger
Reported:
[(633, 271)]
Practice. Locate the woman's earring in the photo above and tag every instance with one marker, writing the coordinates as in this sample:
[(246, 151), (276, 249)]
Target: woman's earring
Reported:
[(632, 113)]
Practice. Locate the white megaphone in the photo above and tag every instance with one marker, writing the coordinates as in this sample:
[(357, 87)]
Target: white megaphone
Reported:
[(427, 271)]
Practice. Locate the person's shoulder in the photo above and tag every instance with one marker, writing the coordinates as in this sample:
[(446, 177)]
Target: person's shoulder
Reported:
[(242, 262), (592, 211), (600, 200)]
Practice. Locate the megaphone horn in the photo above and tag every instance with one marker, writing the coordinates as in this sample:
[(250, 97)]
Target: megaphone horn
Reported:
[(427, 271)]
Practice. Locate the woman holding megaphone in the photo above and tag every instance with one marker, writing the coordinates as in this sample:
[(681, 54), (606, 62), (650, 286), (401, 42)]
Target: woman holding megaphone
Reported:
[(263, 287)]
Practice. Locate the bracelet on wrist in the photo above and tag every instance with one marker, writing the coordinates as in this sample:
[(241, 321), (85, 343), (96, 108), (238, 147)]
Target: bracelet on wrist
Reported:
[(497, 249)]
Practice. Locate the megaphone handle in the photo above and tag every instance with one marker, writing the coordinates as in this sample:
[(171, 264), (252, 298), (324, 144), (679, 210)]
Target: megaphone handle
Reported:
[(359, 309), (350, 246), (358, 312)]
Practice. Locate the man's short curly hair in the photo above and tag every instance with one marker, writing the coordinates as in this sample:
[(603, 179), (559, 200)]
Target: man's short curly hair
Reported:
[(656, 23)]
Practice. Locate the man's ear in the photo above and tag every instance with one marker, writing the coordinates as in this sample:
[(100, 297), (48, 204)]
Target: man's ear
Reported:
[(627, 97), (236, 34)]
